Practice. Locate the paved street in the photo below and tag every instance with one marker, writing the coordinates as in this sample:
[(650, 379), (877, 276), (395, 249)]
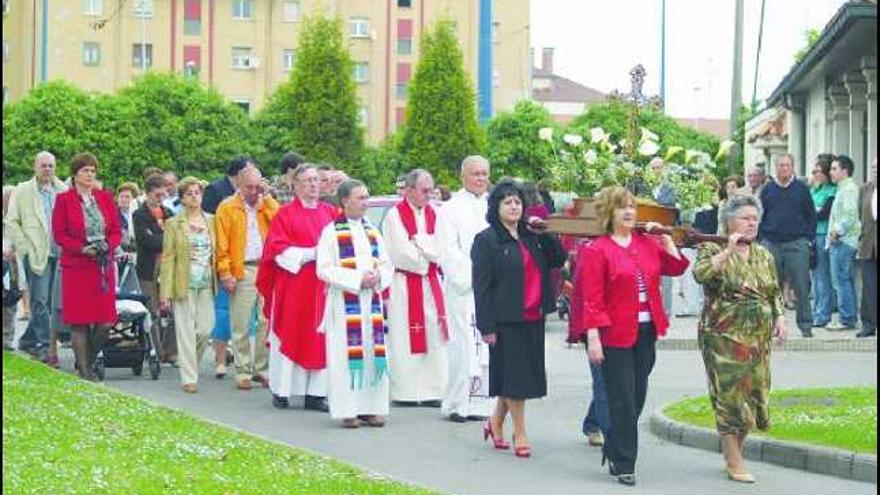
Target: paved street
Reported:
[(417, 446)]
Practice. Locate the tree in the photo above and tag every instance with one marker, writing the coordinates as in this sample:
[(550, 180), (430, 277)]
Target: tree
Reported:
[(53, 117), (316, 111), (188, 128), (441, 126), (811, 36), (513, 147)]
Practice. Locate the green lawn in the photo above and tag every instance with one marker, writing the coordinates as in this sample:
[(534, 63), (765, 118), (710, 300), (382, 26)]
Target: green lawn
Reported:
[(844, 418), (63, 435)]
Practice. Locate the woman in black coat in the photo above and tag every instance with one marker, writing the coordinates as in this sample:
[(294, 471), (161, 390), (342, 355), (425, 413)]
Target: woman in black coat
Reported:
[(513, 292)]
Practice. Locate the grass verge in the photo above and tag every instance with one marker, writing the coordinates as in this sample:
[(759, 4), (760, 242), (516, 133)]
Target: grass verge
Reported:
[(63, 435), (844, 418)]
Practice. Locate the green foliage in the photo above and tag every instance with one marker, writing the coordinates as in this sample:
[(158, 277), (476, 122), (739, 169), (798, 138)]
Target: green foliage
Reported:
[(188, 128), (844, 418), (161, 120), (812, 37), (316, 111), (53, 117), (379, 166), (739, 137), (613, 116), (105, 441), (441, 127), (512, 147)]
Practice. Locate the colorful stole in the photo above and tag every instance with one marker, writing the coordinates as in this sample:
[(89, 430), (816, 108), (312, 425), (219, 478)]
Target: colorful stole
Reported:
[(353, 315), (417, 339)]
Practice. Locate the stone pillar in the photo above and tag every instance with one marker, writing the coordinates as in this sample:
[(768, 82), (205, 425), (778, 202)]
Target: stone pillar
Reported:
[(795, 103), (869, 70), (857, 88), (839, 99)]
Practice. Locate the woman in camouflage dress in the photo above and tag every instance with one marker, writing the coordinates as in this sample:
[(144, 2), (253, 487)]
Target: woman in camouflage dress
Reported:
[(743, 309)]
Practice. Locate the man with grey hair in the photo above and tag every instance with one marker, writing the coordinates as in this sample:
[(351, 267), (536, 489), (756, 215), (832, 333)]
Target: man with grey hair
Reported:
[(756, 177), (788, 227), (464, 216), (28, 223), (417, 327)]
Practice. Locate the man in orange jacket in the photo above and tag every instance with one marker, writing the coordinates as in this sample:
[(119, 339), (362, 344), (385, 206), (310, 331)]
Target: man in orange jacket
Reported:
[(242, 222)]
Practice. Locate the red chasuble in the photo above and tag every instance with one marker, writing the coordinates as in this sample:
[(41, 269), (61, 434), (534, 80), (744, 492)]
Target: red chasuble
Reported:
[(295, 302)]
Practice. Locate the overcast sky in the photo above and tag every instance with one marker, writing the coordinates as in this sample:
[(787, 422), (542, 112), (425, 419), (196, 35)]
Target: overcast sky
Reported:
[(597, 42)]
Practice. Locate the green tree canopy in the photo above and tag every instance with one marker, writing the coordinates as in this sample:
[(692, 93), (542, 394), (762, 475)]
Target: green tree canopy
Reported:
[(513, 147), (441, 122), (316, 112)]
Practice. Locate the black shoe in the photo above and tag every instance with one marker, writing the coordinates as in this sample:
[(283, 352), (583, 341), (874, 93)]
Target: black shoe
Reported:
[(280, 402), (404, 403), (627, 479), (457, 418), (866, 333), (807, 333), (314, 403), (430, 403), (474, 417)]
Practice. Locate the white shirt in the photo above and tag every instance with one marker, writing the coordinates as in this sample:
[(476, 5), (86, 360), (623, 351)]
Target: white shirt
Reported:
[(253, 250), (464, 216)]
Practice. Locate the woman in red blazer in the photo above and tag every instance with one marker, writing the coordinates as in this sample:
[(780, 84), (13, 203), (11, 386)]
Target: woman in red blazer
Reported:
[(86, 226), (622, 316)]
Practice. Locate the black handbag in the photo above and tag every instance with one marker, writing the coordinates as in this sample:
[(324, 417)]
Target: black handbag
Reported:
[(12, 294)]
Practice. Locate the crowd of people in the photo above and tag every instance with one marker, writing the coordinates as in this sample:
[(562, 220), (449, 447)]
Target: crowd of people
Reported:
[(443, 305)]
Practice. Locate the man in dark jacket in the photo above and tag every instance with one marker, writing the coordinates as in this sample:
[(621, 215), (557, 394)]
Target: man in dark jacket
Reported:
[(788, 227), (149, 221), (221, 189)]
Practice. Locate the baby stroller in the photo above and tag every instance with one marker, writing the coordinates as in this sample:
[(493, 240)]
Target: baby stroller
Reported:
[(129, 343)]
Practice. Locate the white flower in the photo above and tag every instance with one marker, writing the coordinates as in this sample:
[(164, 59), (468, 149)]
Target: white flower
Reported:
[(672, 152), (573, 139), (689, 155), (724, 149), (545, 134), (597, 135), (591, 157), (648, 148), (649, 136)]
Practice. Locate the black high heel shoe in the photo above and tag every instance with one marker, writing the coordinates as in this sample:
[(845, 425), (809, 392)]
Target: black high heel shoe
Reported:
[(628, 479)]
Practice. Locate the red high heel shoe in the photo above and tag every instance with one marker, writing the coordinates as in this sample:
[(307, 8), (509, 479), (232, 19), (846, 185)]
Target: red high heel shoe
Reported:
[(499, 443), (522, 450)]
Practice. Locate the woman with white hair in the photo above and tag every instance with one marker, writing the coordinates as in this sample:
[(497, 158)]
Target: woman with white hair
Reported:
[(743, 310)]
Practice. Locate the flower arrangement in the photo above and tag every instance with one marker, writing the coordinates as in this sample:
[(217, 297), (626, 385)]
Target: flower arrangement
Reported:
[(586, 165)]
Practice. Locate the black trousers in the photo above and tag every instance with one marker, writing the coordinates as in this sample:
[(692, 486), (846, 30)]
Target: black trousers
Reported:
[(626, 374), (869, 294)]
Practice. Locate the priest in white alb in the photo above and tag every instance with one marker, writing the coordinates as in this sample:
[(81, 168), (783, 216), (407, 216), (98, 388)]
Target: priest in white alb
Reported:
[(417, 325), (354, 265), (464, 216)]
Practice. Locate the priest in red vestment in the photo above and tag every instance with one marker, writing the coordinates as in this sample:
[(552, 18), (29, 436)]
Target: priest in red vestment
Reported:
[(294, 295)]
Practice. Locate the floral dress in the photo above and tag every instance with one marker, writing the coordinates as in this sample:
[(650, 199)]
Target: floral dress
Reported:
[(742, 303)]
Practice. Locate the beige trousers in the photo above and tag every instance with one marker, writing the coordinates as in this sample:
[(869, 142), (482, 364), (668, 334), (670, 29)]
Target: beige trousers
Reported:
[(194, 319), (241, 305)]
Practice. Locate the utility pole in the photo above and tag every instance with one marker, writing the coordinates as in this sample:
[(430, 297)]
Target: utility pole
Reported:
[(663, 54), (736, 93), (758, 58)]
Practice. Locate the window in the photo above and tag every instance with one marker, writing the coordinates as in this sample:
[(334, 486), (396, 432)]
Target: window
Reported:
[(6, 94), (289, 59), (400, 116), (361, 72), (192, 60), (91, 54), (192, 17), (143, 8), (5, 51), (242, 9), (91, 7), (359, 27), (404, 36), (291, 11), (243, 103), (404, 3), (364, 116), (137, 50), (404, 74), (5, 11), (243, 58)]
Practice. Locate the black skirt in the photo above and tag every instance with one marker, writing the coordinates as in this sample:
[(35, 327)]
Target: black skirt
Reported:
[(516, 362)]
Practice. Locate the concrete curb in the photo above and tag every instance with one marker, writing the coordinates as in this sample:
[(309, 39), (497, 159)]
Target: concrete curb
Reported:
[(821, 460), (811, 345)]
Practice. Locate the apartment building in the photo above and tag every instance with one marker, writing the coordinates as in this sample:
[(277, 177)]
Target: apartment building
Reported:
[(246, 48)]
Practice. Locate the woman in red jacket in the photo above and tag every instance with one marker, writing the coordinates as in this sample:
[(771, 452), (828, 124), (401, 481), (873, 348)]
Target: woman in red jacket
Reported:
[(622, 316), (86, 226)]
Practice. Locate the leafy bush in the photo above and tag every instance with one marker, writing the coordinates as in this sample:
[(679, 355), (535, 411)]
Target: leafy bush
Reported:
[(512, 147)]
